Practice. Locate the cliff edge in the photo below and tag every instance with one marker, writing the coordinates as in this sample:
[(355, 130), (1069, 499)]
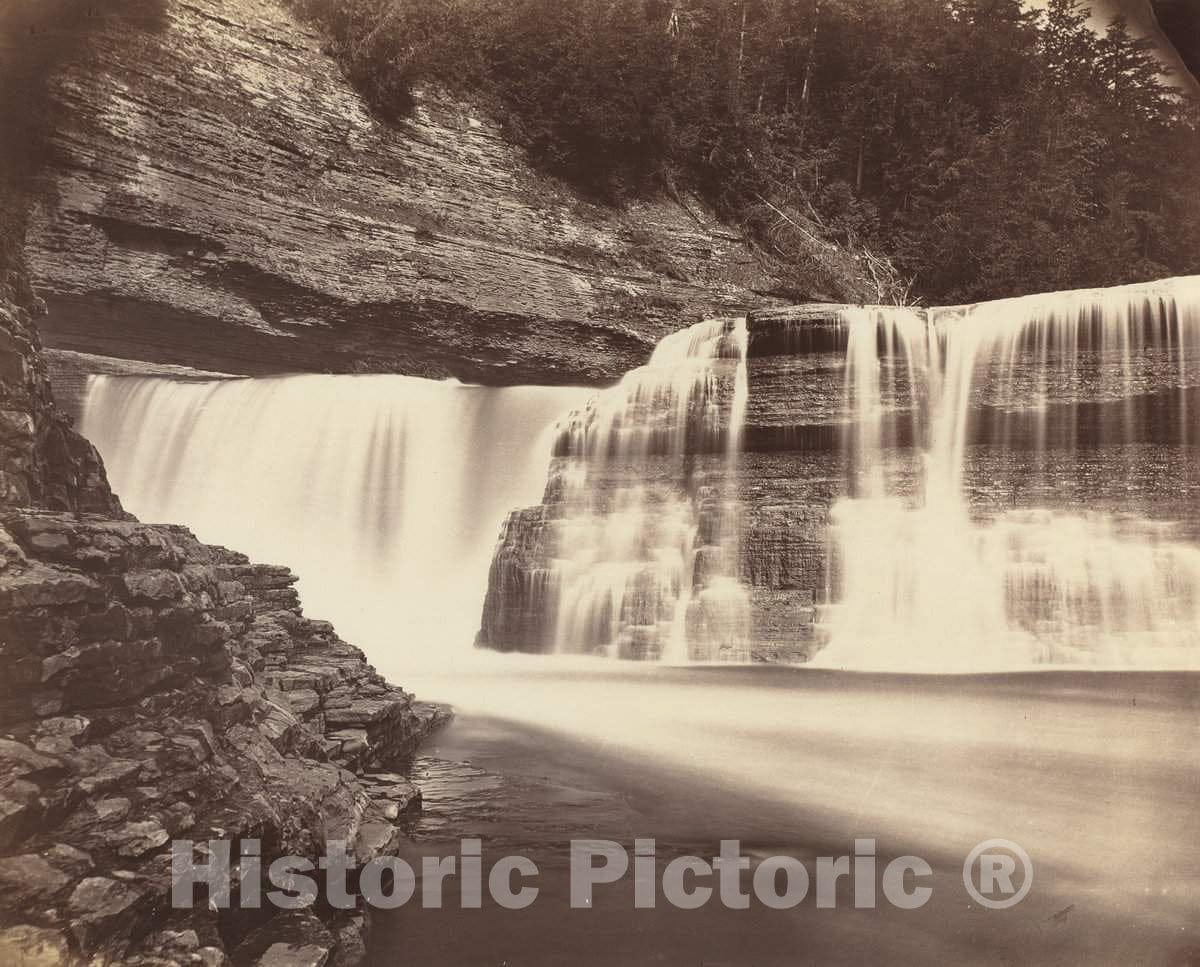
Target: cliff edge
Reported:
[(213, 193)]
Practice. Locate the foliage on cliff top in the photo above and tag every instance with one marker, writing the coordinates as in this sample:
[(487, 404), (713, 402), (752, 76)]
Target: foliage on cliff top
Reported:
[(987, 149)]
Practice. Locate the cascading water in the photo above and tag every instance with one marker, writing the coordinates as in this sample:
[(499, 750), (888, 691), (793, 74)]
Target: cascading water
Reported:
[(384, 493), (379, 489), (643, 557), (1020, 489), (934, 567)]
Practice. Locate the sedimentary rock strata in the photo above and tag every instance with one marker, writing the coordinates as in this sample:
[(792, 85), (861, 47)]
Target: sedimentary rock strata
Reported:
[(783, 483), (157, 687), (215, 194), (153, 687), (42, 461), (1112, 437)]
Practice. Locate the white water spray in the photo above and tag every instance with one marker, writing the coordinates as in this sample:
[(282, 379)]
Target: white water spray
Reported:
[(647, 553), (384, 493), (928, 580)]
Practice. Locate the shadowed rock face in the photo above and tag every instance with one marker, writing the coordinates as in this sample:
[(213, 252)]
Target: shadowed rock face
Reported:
[(154, 687), (216, 195), (43, 462)]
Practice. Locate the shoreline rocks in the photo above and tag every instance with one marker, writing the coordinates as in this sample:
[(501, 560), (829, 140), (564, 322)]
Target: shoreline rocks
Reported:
[(174, 691), (153, 687)]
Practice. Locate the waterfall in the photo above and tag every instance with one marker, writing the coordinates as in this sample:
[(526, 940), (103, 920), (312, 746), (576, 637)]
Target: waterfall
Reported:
[(384, 493), (945, 558), (1015, 486), (636, 543), (648, 559)]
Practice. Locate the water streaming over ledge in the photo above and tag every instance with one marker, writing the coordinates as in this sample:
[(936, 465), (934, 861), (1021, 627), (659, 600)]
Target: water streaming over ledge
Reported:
[(925, 582), (972, 525), (384, 493), (645, 559)]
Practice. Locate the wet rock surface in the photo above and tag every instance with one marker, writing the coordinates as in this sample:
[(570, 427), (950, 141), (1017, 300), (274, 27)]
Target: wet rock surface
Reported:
[(795, 465)]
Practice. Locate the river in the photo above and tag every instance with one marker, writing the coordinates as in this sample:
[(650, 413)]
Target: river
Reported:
[(1092, 774)]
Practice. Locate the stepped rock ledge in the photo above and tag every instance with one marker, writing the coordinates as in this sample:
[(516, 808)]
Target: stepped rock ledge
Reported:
[(157, 688)]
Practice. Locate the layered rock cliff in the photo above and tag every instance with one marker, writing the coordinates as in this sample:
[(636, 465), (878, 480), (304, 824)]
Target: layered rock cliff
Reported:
[(42, 461), (154, 687), (775, 496), (215, 194)]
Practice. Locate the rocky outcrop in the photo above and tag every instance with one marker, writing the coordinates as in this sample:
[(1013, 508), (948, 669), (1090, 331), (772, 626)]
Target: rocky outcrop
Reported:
[(42, 460), (156, 687), (1100, 420), (215, 194), (633, 550)]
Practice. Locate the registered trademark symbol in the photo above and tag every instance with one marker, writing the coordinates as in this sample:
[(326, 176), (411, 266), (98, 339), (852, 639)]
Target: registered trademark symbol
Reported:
[(992, 870)]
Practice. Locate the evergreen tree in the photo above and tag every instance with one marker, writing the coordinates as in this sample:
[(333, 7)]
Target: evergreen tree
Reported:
[(985, 149)]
